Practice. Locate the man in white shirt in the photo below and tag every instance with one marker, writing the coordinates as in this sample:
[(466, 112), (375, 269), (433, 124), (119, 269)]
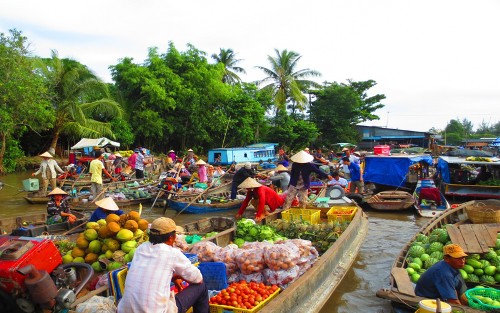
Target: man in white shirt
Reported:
[(156, 263), (48, 169)]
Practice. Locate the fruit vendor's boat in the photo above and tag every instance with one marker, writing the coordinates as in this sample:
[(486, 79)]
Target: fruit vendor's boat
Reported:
[(224, 226), (429, 201), (36, 198), (33, 225), (211, 200), (474, 238), (395, 200)]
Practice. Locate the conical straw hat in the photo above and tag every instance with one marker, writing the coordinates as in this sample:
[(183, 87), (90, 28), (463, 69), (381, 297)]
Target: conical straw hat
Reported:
[(281, 168), (107, 204), (302, 157), (46, 155), (57, 191), (249, 183), (200, 162)]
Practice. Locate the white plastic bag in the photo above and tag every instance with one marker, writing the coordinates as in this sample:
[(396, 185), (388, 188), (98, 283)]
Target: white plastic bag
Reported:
[(97, 304)]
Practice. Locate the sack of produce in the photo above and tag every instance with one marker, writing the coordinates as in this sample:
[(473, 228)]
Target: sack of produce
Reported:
[(205, 250), (281, 278), (255, 277), (256, 245), (180, 242), (281, 256), (234, 277), (250, 260), (228, 256)]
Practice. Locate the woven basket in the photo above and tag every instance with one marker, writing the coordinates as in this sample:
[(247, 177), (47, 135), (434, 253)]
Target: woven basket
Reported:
[(481, 213)]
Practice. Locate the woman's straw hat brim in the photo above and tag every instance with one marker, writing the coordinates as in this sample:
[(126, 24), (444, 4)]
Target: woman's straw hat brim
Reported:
[(46, 155), (200, 162), (107, 204), (302, 157), (249, 183), (281, 168), (57, 191)]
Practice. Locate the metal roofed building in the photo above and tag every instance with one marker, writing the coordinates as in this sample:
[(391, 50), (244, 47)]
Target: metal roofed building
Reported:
[(372, 136)]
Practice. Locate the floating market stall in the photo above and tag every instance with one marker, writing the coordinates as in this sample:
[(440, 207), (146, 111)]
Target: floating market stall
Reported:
[(473, 176)]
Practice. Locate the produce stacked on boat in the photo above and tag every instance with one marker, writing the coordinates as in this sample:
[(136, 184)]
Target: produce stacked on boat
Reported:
[(108, 243), (244, 295), (427, 250)]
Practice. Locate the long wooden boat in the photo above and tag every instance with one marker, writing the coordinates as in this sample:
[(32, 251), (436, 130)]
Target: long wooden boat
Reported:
[(394, 200), (90, 205), (401, 289), (212, 200), (429, 201), (36, 198), (224, 226), (33, 225)]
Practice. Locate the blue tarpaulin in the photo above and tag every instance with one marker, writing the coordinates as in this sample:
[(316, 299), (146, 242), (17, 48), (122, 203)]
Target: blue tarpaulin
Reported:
[(443, 169), (496, 143), (391, 170)]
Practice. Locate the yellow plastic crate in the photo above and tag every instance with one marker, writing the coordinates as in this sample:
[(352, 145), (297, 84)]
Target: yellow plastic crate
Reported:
[(215, 308), (341, 214), (306, 215)]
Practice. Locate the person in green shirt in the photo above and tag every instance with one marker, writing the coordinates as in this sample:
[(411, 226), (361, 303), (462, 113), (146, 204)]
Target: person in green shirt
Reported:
[(96, 168)]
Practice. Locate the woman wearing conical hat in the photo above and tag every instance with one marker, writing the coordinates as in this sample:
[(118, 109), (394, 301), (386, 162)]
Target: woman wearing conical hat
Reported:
[(58, 208), (260, 196), (48, 169), (300, 178), (282, 176), (105, 207)]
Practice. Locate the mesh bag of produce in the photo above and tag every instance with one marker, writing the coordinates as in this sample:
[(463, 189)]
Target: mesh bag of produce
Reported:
[(281, 256), (250, 260), (281, 278), (205, 250), (228, 256), (255, 277), (180, 242)]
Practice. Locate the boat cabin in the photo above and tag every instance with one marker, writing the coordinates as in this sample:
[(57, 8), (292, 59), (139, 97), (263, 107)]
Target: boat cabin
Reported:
[(472, 177), (265, 152), (83, 150), (396, 170)]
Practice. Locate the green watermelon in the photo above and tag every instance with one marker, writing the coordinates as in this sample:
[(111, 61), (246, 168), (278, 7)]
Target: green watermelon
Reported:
[(435, 246), (430, 262), (487, 279), (415, 251), (437, 255), (472, 278), (422, 238)]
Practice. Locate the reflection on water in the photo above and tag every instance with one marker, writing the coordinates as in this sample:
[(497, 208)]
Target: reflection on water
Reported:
[(387, 234)]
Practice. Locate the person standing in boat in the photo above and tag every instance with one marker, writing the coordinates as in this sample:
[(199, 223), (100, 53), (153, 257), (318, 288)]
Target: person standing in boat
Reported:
[(48, 169), (260, 196), (96, 168), (202, 171), (240, 176), (443, 279), (190, 157), (105, 207), (300, 178), (58, 208), (356, 175)]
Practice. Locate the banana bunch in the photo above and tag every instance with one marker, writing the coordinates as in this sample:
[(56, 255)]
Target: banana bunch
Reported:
[(478, 159)]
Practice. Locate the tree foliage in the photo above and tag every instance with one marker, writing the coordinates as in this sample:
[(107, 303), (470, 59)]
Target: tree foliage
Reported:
[(227, 58)]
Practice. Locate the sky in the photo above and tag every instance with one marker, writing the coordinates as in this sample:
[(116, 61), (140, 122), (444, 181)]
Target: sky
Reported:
[(434, 60)]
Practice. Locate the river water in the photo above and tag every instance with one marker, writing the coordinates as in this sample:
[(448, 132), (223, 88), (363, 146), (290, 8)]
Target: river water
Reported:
[(388, 232)]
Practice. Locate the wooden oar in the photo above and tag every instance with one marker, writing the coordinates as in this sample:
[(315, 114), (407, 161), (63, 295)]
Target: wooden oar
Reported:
[(73, 229), (192, 201)]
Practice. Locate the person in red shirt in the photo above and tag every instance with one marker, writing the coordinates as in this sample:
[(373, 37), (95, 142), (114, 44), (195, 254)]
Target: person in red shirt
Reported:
[(260, 196)]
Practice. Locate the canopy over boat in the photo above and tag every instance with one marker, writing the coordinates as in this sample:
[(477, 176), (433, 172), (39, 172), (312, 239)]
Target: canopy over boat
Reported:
[(444, 161), (95, 142), (391, 170)]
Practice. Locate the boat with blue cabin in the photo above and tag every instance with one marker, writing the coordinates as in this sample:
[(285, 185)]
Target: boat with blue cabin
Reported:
[(259, 152)]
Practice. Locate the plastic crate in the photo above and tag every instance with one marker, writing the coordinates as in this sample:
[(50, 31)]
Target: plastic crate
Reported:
[(305, 215), (341, 214), (31, 184), (492, 293), (214, 275), (216, 308), (192, 257), (116, 280)]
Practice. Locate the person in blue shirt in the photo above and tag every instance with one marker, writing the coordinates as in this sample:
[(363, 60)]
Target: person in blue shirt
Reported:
[(355, 175), (105, 206), (443, 279)]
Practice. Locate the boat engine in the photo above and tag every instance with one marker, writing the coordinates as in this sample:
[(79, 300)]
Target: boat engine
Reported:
[(32, 276)]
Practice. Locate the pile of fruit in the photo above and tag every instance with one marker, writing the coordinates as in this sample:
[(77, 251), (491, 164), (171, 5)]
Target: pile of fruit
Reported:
[(478, 159), (108, 243), (243, 295), (248, 231), (126, 153), (131, 194), (428, 250)]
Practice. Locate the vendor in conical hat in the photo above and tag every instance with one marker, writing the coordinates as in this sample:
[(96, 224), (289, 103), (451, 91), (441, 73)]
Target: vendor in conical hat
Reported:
[(260, 196), (300, 178), (105, 207), (281, 178), (48, 168), (58, 208), (202, 171)]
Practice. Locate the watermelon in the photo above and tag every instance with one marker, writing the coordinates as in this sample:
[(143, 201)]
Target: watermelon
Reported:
[(430, 262), (422, 238), (487, 279), (468, 269), (435, 246), (485, 263), (473, 278), (415, 251), (490, 255), (437, 255)]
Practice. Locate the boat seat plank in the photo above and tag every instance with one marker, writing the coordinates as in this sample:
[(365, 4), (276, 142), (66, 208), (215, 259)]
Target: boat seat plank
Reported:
[(471, 239), (456, 236), (405, 286), (483, 237), (493, 230)]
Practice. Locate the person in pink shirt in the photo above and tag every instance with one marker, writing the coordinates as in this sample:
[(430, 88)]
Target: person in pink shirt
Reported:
[(202, 171)]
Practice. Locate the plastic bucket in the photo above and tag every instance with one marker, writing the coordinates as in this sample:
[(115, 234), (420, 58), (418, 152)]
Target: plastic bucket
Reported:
[(430, 306)]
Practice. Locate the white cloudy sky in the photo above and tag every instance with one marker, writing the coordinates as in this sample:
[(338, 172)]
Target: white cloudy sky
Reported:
[(435, 60)]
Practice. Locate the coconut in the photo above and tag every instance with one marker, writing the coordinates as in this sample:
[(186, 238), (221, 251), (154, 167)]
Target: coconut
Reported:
[(114, 227), (96, 266), (91, 258), (112, 218), (79, 260), (92, 225), (82, 243), (124, 235), (77, 252), (102, 222), (95, 246), (128, 246), (134, 215), (143, 224), (123, 218), (90, 234), (113, 245), (67, 258), (104, 232), (118, 255), (131, 225), (114, 265)]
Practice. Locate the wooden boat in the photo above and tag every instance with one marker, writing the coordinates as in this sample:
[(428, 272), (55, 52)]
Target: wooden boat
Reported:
[(211, 200), (401, 289), (395, 200), (429, 201), (36, 198), (225, 227), (33, 225), (90, 205)]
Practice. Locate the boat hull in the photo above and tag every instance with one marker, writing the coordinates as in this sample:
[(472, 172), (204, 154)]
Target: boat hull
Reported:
[(33, 225), (429, 210), (391, 201), (200, 208)]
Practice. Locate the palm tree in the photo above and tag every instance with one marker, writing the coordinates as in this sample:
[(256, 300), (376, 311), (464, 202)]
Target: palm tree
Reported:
[(228, 58), (286, 83), (79, 98)]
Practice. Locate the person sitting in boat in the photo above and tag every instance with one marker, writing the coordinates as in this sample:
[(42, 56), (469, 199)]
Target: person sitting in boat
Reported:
[(156, 264), (202, 171), (443, 279), (58, 208), (171, 157), (281, 177), (337, 180), (105, 207), (483, 175), (240, 176), (260, 196)]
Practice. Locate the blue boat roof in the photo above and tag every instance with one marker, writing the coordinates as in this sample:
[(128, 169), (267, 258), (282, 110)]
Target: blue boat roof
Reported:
[(256, 146)]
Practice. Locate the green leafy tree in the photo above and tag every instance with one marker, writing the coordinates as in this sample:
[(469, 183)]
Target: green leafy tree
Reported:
[(294, 132), (286, 82), (227, 58), (123, 131), (454, 132), (23, 100), (79, 99), (369, 104)]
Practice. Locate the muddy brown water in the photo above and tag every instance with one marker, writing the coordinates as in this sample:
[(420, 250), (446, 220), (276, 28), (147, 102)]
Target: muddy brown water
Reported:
[(388, 232)]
